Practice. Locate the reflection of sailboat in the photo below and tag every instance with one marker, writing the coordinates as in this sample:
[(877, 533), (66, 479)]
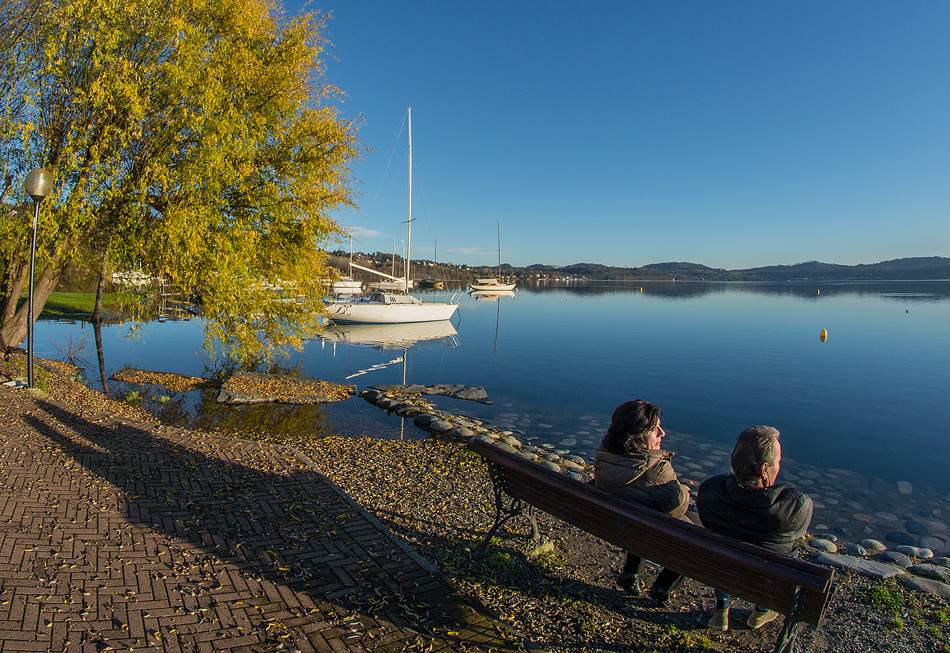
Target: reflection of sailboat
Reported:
[(389, 336), (491, 295), (390, 308)]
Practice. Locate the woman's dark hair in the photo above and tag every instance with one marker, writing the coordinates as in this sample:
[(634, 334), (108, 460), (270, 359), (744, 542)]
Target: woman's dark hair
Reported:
[(629, 423)]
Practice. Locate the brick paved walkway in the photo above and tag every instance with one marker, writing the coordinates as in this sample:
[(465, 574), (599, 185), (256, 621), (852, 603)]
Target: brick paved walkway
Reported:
[(119, 535)]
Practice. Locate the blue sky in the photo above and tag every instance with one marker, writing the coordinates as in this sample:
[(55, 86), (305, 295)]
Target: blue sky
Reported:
[(732, 134)]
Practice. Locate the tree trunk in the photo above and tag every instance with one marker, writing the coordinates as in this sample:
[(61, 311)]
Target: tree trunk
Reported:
[(97, 330), (13, 329), (97, 327), (11, 293)]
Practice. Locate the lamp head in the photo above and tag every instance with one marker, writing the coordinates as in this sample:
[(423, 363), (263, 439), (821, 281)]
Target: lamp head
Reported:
[(38, 184)]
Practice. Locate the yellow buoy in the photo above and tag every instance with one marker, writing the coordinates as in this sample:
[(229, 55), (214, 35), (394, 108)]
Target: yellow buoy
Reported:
[(819, 292), (824, 335)]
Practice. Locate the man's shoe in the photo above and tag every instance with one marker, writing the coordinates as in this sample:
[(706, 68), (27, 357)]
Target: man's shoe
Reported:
[(660, 594), (630, 584), (720, 619), (758, 619)]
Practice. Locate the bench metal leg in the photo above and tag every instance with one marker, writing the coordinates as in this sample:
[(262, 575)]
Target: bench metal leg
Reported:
[(505, 508), (502, 515), (786, 639)]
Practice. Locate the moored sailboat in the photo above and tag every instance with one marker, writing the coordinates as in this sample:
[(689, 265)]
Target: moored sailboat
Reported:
[(492, 284), (384, 307)]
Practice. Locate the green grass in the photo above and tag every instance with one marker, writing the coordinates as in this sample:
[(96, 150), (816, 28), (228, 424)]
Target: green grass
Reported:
[(66, 305), (896, 623), (548, 560), (500, 560), (885, 596), (684, 641)]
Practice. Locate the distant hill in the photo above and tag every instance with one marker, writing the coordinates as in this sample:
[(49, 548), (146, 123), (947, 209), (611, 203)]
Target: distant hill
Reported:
[(933, 267)]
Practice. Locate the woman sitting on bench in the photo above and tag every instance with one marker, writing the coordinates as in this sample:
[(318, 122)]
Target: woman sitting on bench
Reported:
[(630, 464)]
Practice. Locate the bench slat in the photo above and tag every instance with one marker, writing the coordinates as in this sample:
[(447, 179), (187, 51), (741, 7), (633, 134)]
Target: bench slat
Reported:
[(744, 570)]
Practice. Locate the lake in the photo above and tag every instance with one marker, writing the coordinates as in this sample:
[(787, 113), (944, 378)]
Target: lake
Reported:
[(864, 412)]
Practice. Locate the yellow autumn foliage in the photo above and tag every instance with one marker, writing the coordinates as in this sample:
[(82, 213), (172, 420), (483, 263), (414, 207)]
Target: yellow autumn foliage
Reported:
[(197, 140)]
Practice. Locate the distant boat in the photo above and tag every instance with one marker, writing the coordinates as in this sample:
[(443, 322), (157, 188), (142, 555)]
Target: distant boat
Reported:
[(430, 283), (395, 284), (348, 285), (384, 307), (491, 284)]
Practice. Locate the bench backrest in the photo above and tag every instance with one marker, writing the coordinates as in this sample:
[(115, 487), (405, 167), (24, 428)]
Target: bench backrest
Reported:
[(743, 570)]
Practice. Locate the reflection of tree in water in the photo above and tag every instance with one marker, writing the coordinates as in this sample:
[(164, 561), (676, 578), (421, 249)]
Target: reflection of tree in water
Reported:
[(199, 409), (279, 420)]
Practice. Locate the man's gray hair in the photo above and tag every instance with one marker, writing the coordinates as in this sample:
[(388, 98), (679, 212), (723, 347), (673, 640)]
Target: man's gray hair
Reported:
[(754, 446)]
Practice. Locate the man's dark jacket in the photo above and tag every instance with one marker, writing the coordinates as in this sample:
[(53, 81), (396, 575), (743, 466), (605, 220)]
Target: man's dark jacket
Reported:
[(774, 517)]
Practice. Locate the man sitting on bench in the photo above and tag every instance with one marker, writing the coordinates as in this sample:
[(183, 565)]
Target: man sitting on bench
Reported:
[(748, 506)]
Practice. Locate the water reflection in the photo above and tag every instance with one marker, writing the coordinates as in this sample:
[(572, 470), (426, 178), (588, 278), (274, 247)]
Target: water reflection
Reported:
[(491, 295), (913, 291), (391, 336)]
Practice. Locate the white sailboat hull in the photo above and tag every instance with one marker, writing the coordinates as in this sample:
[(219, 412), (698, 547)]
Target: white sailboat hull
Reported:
[(383, 308)]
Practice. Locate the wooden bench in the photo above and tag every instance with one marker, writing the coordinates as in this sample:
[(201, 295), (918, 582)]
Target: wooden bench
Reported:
[(798, 589)]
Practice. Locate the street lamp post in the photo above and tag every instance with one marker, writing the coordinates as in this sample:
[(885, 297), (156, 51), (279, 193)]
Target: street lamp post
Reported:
[(38, 184)]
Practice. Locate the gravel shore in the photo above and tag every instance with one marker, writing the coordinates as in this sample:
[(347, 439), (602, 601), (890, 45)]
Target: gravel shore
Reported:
[(561, 595)]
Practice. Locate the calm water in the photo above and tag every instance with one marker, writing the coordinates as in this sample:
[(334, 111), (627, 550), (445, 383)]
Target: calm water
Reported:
[(557, 358)]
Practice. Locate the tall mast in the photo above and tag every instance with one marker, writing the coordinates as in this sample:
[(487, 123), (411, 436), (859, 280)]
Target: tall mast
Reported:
[(409, 237), (499, 249)]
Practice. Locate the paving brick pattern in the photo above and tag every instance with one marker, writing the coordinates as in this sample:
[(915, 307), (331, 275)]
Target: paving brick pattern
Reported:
[(119, 535)]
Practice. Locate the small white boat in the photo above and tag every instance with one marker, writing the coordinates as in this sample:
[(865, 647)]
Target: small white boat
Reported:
[(388, 307), (398, 284), (491, 285), (347, 287)]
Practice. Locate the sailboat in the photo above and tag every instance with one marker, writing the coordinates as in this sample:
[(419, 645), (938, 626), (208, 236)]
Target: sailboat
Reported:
[(348, 285), (491, 284), (384, 307), (392, 281)]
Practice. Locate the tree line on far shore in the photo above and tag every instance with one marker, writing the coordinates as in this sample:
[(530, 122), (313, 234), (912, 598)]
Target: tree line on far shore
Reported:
[(918, 268)]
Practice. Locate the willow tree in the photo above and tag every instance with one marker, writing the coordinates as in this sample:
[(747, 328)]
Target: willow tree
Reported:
[(196, 140)]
